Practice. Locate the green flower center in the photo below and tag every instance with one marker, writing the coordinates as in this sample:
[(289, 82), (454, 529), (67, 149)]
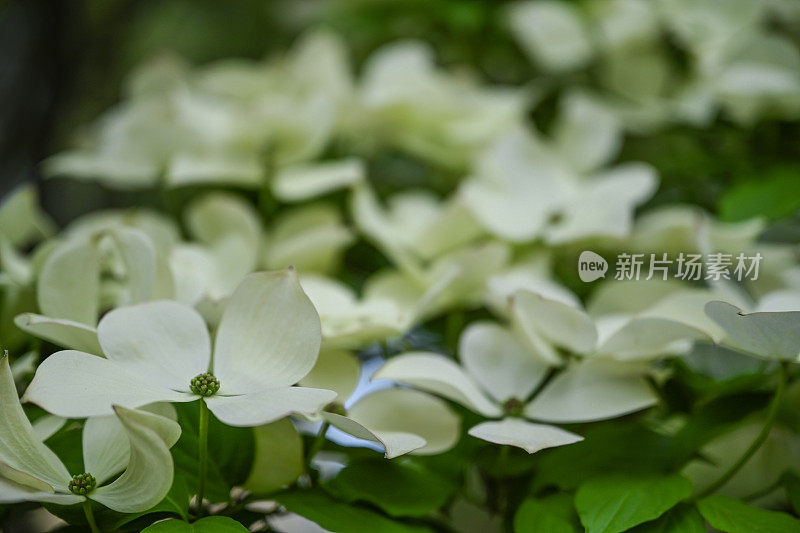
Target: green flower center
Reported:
[(82, 484), (513, 407), (204, 384)]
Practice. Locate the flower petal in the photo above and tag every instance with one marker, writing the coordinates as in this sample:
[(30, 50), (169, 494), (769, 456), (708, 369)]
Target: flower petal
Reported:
[(77, 385), (645, 337), (137, 253), (166, 342), (503, 366), (303, 181), (559, 323), (11, 492), (587, 133), (604, 205), (268, 405), (518, 186), (60, 331), (552, 33), (48, 425), (148, 477), (406, 411), (437, 374), (337, 370), (592, 390), (395, 443), (311, 238), (523, 434), (269, 335), (769, 335), (20, 447), (69, 283), (106, 446)]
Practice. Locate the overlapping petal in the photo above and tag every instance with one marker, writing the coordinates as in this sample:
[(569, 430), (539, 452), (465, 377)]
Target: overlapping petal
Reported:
[(561, 324), (592, 390), (20, 447), (437, 374), (497, 360), (268, 405), (164, 342), (148, 475), (77, 385), (269, 335), (69, 283), (62, 332), (404, 411)]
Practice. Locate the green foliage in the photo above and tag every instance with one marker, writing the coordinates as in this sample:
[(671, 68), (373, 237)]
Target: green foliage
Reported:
[(683, 518), (546, 514), (775, 195), (277, 457), (211, 524), (340, 516), (401, 488), (615, 503), (230, 452), (732, 516), (605, 448)]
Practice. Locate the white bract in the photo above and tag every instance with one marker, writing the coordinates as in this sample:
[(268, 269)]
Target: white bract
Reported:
[(523, 188), (495, 381), (224, 124), (401, 420), (90, 271), (267, 340), (311, 237), (137, 442), (405, 101), (626, 321)]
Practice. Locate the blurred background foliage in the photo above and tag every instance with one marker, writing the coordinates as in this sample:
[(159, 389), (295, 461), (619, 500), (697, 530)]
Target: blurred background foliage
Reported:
[(63, 63)]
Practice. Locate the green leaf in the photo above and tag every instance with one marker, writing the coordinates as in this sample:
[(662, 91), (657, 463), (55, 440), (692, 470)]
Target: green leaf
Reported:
[(341, 517), (683, 518), (774, 196), (617, 502), (605, 448), (399, 488), (732, 516), (212, 524), (278, 457), (544, 515)]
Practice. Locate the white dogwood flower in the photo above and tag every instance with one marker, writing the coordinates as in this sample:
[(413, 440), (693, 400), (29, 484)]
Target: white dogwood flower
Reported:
[(133, 442), (526, 187), (497, 376), (267, 340)]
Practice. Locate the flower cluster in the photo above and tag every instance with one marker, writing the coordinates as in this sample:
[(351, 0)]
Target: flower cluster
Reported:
[(284, 273)]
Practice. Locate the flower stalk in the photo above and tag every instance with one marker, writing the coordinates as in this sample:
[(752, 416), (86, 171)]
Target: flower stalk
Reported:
[(772, 413), (87, 510), (202, 456)]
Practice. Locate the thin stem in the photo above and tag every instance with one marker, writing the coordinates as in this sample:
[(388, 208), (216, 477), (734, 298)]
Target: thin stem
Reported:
[(87, 510), (202, 456), (316, 446), (772, 412)]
